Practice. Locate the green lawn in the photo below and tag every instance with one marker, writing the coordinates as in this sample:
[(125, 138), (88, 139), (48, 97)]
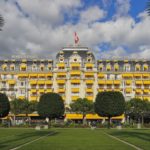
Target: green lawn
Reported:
[(73, 139)]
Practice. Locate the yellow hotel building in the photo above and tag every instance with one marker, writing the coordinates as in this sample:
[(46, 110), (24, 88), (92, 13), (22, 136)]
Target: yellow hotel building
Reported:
[(74, 73)]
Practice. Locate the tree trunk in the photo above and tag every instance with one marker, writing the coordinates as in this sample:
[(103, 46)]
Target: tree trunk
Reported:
[(109, 122), (142, 118), (83, 119)]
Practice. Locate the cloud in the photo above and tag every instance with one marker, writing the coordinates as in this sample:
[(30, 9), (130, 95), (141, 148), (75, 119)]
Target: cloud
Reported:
[(36, 28), (122, 8), (92, 14)]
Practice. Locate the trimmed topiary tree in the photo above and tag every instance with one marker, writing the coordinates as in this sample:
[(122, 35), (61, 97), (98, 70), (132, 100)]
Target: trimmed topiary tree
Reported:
[(109, 104), (51, 106), (4, 105)]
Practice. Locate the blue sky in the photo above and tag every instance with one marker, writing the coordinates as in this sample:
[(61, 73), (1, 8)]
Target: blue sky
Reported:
[(110, 28)]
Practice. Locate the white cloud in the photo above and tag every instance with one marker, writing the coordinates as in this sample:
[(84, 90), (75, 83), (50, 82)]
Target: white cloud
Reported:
[(45, 31), (92, 14), (122, 8)]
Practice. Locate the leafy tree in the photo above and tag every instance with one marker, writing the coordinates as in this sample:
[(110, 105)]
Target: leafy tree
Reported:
[(51, 106), (1, 22), (109, 104), (16, 106), (82, 106), (4, 105), (137, 108), (33, 106), (19, 106), (148, 7)]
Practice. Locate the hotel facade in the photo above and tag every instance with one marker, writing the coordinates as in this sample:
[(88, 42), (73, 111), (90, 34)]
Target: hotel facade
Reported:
[(75, 73)]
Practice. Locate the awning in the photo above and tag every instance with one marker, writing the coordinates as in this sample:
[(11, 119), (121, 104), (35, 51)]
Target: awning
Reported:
[(127, 75), (93, 116), (41, 90), (4, 66), (146, 97), (61, 73), (48, 90), (89, 90), (128, 90), (75, 72), (74, 98), (41, 75), (89, 73), (33, 90), (100, 90), (128, 82), (48, 82), (49, 75), (125, 60), (21, 97), (33, 115), (61, 90), (89, 81), (41, 82), (146, 75), (75, 90), (75, 65), (146, 82), (32, 75), (116, 66), (117, 81), (61, 81), (146, 67), (33, 82), (109, 81), (22, 75), (118, 90), (138, 82), (61, 64), (119, 117), (137, 75), (108, 67), (23, 66), (33, 98), (138, 91), (101, 82), (89, 98), (89, 65), (100, 75), (74, 116), (137, 66), (75, 81), (11, 82), (146, 90)]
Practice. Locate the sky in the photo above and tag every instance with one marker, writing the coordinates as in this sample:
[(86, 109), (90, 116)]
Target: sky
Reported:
[(40, 28)]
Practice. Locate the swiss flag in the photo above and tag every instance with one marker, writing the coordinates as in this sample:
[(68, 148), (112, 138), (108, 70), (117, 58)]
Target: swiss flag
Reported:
[(76, 38)]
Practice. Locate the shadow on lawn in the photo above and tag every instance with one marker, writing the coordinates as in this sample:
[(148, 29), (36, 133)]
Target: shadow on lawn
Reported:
[(134, 134), (23, 138)]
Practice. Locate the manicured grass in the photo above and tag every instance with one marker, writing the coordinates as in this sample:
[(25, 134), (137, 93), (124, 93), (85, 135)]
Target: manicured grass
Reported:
[(72, 139), (140, 138)]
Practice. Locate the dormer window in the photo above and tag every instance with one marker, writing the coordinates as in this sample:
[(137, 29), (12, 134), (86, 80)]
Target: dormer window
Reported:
[(75, 60), (137, 67), (61, 59), (127, 67)]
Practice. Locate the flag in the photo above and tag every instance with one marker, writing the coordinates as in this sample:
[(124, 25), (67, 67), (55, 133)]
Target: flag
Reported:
[(76, 38)]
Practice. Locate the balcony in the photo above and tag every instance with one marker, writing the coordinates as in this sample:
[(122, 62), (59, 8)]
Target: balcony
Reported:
[(61, 90), (89, 90), (89, 97), (73, 98)]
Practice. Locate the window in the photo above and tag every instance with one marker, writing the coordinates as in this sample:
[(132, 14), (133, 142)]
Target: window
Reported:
[(22, 83), (127, 67), (75, 60)]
